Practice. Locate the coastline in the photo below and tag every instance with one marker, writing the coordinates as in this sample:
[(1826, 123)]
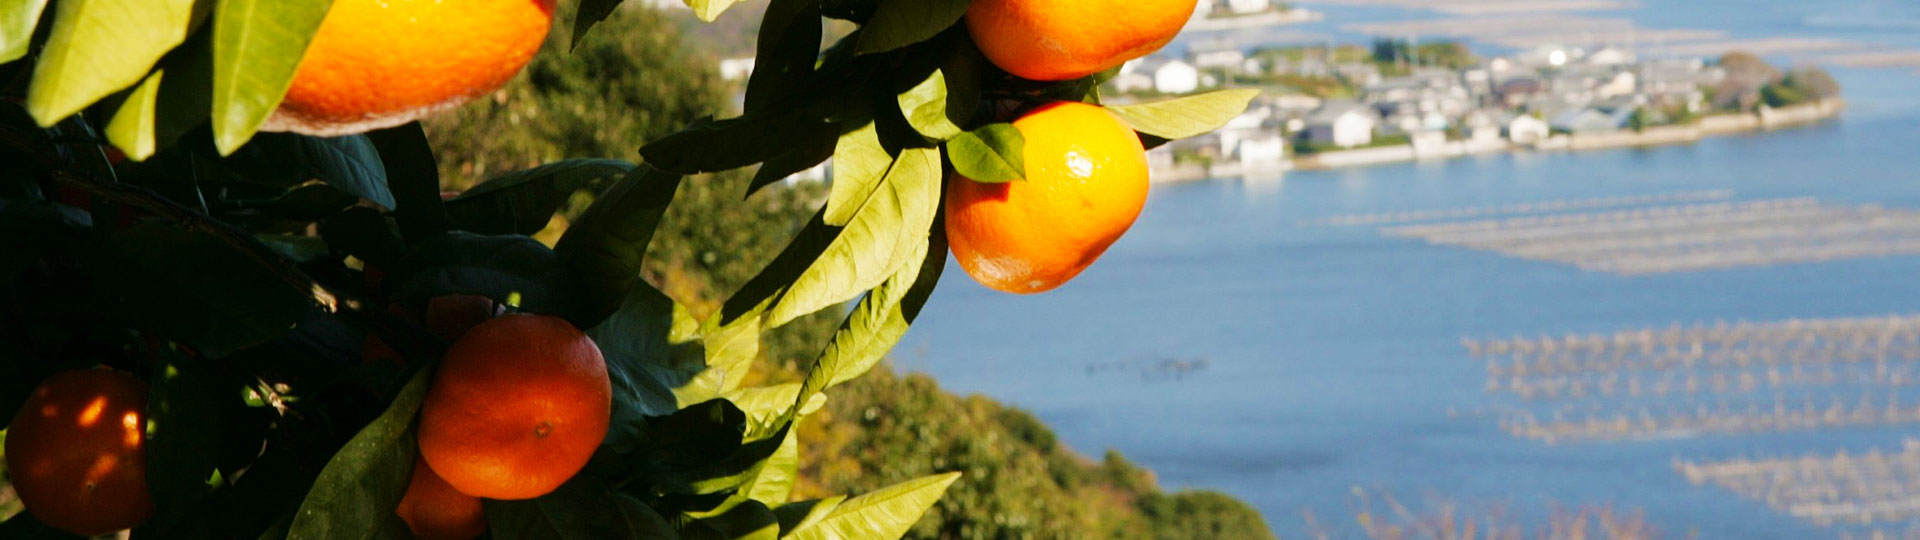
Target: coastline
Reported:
[(1765, 119)]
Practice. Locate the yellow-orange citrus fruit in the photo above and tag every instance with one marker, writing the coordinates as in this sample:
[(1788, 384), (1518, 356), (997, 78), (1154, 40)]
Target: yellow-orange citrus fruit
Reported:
[(1086, 181), (434, 510), (76, 455), (519, 404), (1056, 40), (381, 63)]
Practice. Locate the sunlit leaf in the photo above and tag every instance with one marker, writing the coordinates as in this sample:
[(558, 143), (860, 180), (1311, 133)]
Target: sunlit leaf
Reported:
[(881, 515), (17, 21), (98, 47), (1188, 116), (990, 153), (940, 105), (899, 23), (708, 10), (257, 46), (132, 127), (355, 494), (860, 164)]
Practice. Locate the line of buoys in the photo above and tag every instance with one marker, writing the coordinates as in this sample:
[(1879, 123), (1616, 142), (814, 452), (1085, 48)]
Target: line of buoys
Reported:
[(1688, 237)]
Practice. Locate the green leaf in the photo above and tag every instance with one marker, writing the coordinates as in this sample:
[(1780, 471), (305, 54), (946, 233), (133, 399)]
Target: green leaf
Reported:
[(413, 178), (990, 153), (523, 202), (787, 47), (132, 127), (741, 520), (1188, 116), (17, 20), (827, 265), (764, 405), (98, 47), (939, 105), (584, 508), (708, 10), (881, 515), (350, 164), (183, 427), (492, 266), (650, 363), (607, 245), (860, 164), (880, 320), (590, 14), (795, 515), (357, 491), (714, 146), (899, 23), (192, 287), (804, 154), (257, 47)]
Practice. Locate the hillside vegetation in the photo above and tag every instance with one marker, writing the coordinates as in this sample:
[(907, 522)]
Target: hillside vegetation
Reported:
[(1020, 482)]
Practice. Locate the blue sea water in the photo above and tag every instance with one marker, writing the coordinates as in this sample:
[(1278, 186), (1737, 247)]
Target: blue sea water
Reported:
[(1333, 356)]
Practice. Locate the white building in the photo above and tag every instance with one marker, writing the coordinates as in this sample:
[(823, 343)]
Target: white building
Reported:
[(1169, 76), (1344, 124), (1525, 129)]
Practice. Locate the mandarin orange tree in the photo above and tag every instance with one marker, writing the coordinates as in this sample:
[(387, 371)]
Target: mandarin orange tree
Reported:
[(237, 303)]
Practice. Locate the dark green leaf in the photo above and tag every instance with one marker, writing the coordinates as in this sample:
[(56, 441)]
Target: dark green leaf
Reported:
[(858, 11), (364, 233), (257, 46), (607, 245), (881, 515), (23, 525), (991, 153), (591, 13), (194, 288), (523, 202), (349, 163), (693, 437), (584, 508), (713, 146), (183, 430), (413, 178), (495, 267), (788, 45), (742, 520), (808, 152), (647, 360), (17, 20), (99, 47), (899, 23), (357, 491), (1188, 116)]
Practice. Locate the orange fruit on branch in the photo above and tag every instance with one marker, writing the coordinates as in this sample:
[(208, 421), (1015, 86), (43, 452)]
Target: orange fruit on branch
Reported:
[(76, 455), (381, 63), (518, 406), (1056, 40), (434, 510), (1086, 181)]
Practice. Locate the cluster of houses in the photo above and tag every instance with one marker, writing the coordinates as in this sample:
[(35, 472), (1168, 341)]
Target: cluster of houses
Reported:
[(1503, 101)]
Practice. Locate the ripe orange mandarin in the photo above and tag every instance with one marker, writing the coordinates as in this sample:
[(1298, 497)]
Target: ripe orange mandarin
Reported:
[(518, 405), (1086, 182), (1056, 40), (75, 452), (434, 510), (381, 63)]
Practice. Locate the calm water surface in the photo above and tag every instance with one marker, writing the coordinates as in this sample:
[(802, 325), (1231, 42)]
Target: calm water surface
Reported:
[(1333, 353)]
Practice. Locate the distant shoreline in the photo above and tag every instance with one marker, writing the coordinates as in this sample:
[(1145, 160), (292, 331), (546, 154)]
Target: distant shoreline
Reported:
[(1766, 119)]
